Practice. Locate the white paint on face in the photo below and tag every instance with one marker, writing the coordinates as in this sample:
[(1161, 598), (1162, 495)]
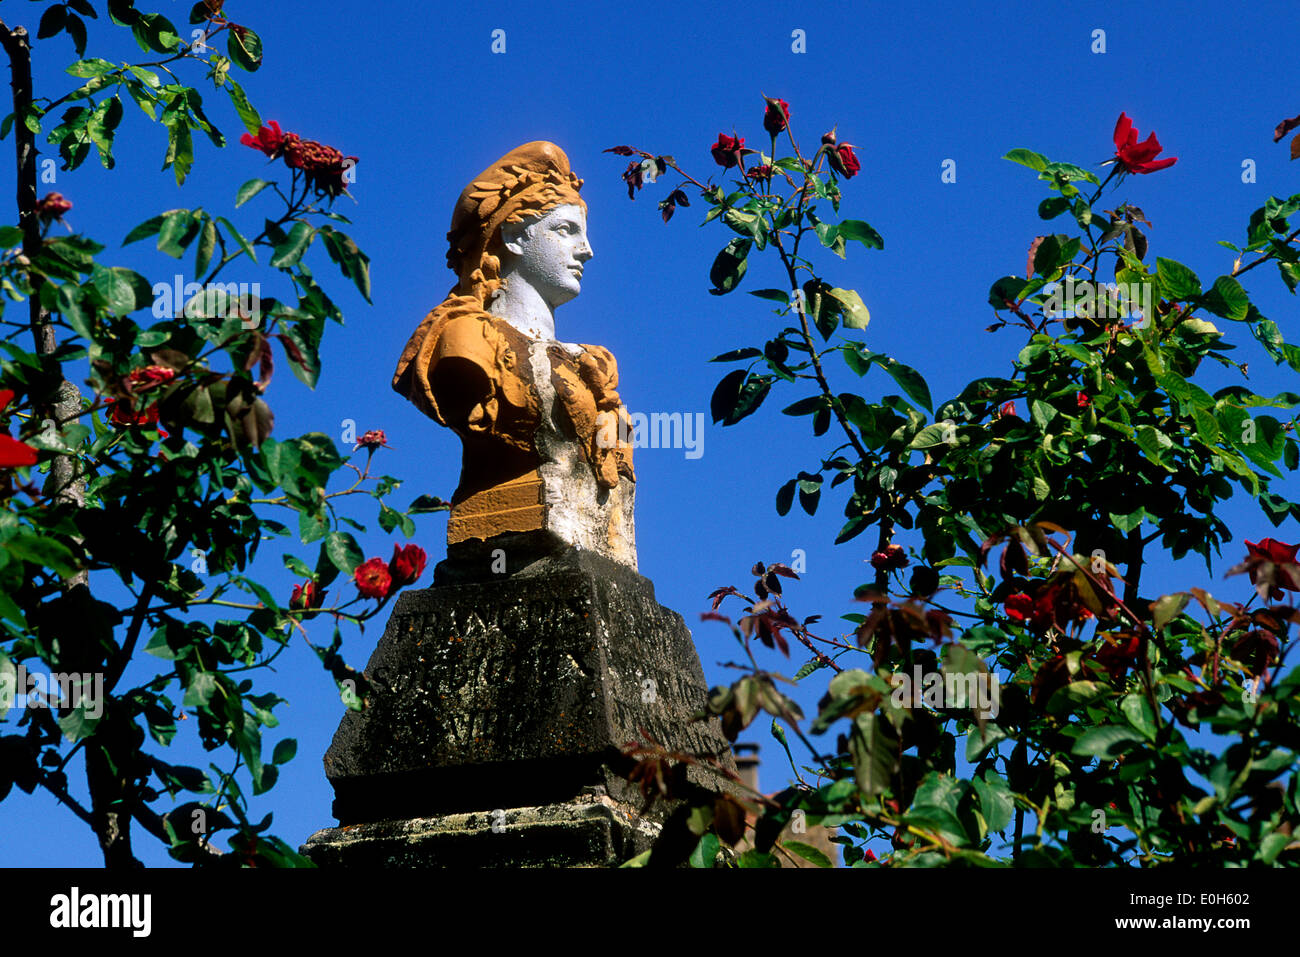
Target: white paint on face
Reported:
[(549, 253)]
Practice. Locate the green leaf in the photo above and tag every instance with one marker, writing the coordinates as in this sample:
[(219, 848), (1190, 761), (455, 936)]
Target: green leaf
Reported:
[(996, 801), (207, 245), (1106, 742), (76, 724), (735, 355), (238, 237), (344, 552), (1137, 710), (245, 48), (93, 66), (155, 32), (852, 309), (756, 858), (149, 227), (807, 852), (1006, 290), (1176, 281), (745, 394), (180, 150), (247, 115), (52, 21), (289, 252), (1052, 207), (1071, 172), (977, 743), (1035, 161), (785, 497), (177, 232), (874, 753), (706, 851), (856, 229), (730, 265), (249, 190), (776, 295), (908, 379), (1228, 299), (1167, 608), (201, 689), (284, 751), (851, 529), (726, 394), (115, 287)]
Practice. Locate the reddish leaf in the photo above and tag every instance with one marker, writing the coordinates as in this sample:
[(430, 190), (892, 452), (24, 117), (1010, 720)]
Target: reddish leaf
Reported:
[(1285, 127)]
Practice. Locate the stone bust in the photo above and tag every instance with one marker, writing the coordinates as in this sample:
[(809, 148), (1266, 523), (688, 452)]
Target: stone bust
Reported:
[(533, 414)]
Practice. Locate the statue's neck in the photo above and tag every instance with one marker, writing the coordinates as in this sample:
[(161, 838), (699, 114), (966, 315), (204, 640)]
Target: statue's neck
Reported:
[(523, 307)]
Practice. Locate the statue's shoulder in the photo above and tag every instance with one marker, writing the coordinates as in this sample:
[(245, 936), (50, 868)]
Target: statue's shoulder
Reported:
[(465, 331)]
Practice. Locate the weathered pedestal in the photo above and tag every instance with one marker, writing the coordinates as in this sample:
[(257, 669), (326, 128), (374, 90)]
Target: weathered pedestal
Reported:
[(501, 706)]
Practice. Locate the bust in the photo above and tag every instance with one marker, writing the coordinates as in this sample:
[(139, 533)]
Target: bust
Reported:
[(535, 415)]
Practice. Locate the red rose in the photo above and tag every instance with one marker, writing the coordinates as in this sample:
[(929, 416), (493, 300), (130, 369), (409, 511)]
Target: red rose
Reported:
[(1051, 605), (759, 172), (407, 564), (53, 206), (848, 161), (139, 380), (1280, 554), (1135, 157), (726, 152), (373, 579), (1019, 606), (305, 597), (13, 454), (373, 439), (1008, 408), (121, 414), (777, 116), (1118, 656), (269, 140), (892, 557), (323, 165), (1082, 400)]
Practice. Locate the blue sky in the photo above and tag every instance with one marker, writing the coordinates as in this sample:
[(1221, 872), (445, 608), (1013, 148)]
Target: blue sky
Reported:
[(415, 91)]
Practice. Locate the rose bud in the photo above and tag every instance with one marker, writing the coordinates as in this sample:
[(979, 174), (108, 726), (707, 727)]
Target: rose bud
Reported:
[(53, 206), (407, 564), (726, 152), (373, 439), (891, 557), (306, 597), (843, 161), (777, 116)]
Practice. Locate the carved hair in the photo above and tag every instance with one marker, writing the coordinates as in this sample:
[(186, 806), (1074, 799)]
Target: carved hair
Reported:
[(526, 183)]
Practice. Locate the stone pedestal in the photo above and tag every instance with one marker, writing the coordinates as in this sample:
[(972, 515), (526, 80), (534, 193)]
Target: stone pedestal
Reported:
[(505, 698), (596, 832)]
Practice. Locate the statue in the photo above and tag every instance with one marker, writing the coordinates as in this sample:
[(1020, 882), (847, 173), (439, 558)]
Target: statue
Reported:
[(544, 433), (501, 704)]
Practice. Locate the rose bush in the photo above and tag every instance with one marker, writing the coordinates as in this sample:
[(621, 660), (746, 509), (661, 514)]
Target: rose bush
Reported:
[(1078, 719), (135, 520)]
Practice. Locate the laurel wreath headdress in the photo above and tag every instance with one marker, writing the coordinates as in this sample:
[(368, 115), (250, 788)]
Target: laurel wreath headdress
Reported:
[(526, 182)]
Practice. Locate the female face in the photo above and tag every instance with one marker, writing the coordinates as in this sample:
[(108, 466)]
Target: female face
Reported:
[(549, 253)]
